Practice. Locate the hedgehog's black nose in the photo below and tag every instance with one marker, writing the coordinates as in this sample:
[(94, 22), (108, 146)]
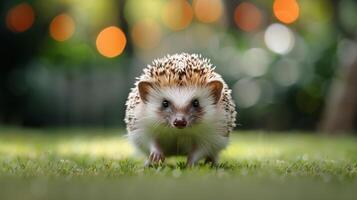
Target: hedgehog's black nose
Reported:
[(180, 123)]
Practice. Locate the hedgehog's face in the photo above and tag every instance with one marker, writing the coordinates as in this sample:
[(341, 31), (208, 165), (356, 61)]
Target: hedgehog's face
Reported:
[(179, 106)]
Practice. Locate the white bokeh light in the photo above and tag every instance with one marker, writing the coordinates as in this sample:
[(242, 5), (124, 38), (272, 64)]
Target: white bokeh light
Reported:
[(279, 38), (255, 62), (235, 64), (286, 72), (247, 92), (347, 52)]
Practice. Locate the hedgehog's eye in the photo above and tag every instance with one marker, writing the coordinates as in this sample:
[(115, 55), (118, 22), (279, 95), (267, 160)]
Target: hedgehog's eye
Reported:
[(165, 103), (195, 103)]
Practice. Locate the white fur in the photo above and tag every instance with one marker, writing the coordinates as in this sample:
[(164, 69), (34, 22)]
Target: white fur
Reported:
[(206, 136)]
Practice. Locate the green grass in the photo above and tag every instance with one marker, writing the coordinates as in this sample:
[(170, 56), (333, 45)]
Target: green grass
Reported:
[(95, 163)]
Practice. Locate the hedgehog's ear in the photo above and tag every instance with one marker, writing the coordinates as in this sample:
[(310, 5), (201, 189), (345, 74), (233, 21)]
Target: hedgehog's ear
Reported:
[(144, 87), (216, 90)]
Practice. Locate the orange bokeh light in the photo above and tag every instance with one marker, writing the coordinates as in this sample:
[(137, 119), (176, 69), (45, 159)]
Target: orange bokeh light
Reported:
[(62, 27), (111, 41), (146, 34), (287, 11), (20, 18), (208, 11), (177, 14), (247, 17)]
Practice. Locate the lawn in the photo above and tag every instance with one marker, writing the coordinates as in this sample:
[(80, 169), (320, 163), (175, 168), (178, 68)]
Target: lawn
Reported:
[(100, 163)]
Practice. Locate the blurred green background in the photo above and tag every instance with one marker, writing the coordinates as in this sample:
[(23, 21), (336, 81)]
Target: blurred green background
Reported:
[(290, 63)]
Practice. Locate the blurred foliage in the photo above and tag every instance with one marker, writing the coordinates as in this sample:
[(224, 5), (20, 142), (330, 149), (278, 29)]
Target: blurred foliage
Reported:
[(279, 70)]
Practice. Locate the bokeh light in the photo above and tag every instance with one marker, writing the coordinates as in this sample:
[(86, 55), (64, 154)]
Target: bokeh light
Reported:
[(247, 17), (347, 52), (208, 11), (177, 14), (111, 42), (20, 18), (286, 11), (62, 27), (146, 34), (247, 92), (255, 62), (136, 10), (286, 72), (279, 38)]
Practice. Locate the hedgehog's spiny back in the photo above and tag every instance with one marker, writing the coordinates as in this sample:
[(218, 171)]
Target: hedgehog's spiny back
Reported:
[(179, 69)]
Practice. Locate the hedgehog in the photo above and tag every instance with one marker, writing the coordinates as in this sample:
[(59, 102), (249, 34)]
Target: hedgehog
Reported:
[(180, 106)]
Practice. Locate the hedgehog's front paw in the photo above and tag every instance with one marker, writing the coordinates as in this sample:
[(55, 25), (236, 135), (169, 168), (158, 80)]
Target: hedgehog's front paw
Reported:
[(155, 157)]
